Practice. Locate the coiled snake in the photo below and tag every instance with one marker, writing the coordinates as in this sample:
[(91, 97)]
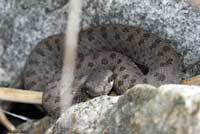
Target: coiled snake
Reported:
[(109, 56)]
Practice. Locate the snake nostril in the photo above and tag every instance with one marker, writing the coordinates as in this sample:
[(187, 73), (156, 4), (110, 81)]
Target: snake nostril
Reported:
[(143, 68)]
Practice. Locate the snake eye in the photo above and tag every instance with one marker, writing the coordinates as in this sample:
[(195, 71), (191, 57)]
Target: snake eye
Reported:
[(110, 79)]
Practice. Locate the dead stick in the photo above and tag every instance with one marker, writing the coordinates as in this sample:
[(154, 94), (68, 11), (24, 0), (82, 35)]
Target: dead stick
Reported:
[(21, 96), (192, 81), (4, 121), (35, 97), (17, 95)]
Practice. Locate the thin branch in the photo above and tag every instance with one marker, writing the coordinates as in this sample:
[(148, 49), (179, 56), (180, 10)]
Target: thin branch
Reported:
[(4, 120), (70, 52), (20, 95)]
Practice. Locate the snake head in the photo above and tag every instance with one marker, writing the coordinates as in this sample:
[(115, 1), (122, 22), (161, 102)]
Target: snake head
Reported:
[(98, 82)]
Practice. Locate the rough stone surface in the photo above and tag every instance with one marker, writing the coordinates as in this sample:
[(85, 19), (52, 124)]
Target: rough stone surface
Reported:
[(193, 69), (169, 109), (35, 126), (83, 117), (23, 24), (174, 109)]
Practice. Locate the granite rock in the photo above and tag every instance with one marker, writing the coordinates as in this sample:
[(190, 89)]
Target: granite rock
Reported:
[(82, 118), (24, 23), (35, 126), (169, 109)]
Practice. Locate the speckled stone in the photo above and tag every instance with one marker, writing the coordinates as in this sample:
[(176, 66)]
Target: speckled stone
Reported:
[(169, 109), (24, 23), (84, 118)]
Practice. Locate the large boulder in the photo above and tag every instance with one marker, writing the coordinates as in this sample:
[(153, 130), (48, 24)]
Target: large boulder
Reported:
[(169, 109), (24, 23)]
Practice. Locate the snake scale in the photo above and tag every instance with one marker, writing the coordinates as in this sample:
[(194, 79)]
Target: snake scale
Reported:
[(109, 56)]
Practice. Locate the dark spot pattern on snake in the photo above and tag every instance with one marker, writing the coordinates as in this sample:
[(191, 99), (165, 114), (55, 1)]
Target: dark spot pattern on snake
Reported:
[(141, 42), (161, 77), (125, 29), (153, 46), (58, 48), (166, 48), (90, 64), (105, 35), (104, 61), (90, 31), (146, 35), (103, 29), (117, 36), (78, 66), (133, 81), (113, 55), (145, 80), (138, 30), (48, 45), (122, 68), (169, 61), (31, 73), (40, 52), (95, 56), (114, 76), (160, 54), (81, 57), (125, 76), (119, 61), (57, 41), (130, 37), (57, 99), (158, 41), (91, 38)]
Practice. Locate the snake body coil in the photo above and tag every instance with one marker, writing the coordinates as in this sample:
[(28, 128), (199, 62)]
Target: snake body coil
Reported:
[(131, 54)]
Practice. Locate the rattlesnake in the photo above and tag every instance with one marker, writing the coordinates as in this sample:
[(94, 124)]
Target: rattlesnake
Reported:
[(124, 55)]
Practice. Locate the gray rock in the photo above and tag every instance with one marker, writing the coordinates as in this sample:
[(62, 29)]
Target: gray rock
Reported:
[(24, 23), (83, 116), (169, 109), (35, 126), (174, 109), (193, 69)]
